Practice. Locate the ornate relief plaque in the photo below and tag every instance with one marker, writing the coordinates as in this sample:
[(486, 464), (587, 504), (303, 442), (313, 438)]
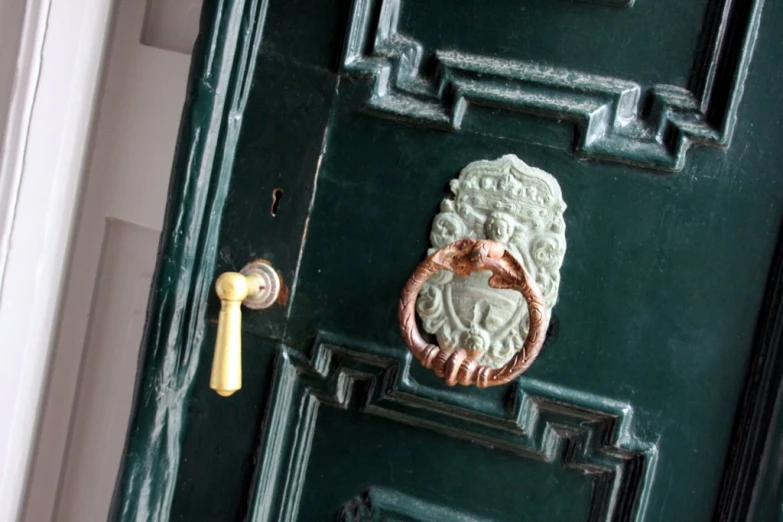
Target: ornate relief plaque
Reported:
[(520, 206)]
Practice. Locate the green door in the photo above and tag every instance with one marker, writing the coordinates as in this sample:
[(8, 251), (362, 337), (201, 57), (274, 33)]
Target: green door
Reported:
[(322, 137)]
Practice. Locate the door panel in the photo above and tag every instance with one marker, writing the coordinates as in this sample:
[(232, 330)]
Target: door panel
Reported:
[(628, 413), (552, 453), (562, 34), (435, 85)]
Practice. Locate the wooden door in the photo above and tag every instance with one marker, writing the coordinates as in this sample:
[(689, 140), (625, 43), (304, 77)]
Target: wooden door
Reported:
[(321, 137)]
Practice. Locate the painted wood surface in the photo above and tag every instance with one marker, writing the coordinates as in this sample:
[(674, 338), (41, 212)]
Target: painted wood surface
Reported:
[(651, 397)]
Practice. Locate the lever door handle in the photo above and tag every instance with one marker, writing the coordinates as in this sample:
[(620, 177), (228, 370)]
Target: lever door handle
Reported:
[(257, 286)]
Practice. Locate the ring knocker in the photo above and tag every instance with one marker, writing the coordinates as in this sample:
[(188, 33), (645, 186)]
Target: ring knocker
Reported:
[(460, 366)]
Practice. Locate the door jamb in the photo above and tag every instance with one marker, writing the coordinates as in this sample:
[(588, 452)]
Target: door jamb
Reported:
[(55, 90)]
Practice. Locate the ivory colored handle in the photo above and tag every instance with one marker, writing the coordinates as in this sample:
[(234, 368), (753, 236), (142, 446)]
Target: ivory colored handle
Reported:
[(257, 287), (226, 378)]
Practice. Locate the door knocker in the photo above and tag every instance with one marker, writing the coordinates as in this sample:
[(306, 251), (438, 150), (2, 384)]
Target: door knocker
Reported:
[(487, 289)]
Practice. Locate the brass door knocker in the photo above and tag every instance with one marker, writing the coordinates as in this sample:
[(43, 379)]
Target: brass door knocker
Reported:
[(487, 289), (461, 364)]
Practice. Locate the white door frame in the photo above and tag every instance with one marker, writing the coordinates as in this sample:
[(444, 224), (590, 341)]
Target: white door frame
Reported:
[(54, 94)]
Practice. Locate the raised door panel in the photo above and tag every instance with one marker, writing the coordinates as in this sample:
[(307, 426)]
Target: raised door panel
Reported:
[(641, 85)]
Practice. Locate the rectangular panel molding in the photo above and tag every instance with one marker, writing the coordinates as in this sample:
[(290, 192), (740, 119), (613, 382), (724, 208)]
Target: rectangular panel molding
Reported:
[(590, 435), (379, 503), (616, 119)]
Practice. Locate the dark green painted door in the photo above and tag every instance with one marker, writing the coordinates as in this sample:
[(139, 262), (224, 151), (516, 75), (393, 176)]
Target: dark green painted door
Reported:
[(654, 396)]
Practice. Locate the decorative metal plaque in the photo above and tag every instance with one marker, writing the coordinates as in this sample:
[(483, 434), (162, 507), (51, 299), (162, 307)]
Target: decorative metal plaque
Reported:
[(519, 206)]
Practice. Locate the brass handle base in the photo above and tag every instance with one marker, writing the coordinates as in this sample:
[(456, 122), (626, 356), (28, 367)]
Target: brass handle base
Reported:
[(265, 283)]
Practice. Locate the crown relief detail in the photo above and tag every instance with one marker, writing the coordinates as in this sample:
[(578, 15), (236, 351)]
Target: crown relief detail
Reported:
[(521, 207)]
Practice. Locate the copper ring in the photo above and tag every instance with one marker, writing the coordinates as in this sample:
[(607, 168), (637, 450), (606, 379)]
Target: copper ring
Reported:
[(463, 257)]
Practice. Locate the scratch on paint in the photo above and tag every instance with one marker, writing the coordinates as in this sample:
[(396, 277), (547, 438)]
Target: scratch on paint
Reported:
[(324, 146)]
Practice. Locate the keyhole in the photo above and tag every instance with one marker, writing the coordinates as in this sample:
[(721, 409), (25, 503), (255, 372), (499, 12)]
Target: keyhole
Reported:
[(277, 196)]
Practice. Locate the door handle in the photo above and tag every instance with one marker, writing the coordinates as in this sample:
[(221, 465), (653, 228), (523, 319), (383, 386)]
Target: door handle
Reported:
[(460, 365), (257, 286)]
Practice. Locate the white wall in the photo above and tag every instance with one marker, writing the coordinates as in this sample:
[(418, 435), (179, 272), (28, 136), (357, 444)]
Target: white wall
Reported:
[(51, 74), (11, 21), (47, 132), (90, 393)]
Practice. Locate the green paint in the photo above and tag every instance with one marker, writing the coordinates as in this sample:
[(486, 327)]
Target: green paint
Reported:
[(655, 395)]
